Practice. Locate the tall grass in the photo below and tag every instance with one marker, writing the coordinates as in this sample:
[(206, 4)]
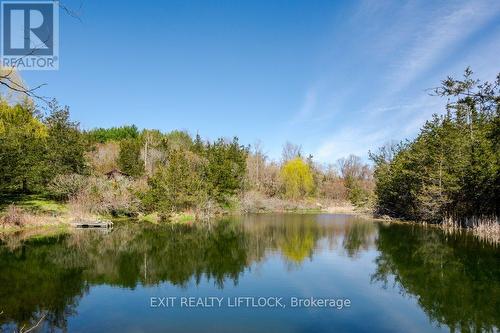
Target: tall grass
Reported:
[(485, 228), (15, 216)]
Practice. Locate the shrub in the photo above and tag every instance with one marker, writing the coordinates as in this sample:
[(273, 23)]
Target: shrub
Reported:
[(106, 196), (332, 187), (359, 192), (14, 216), (271, 182), (63, 187)]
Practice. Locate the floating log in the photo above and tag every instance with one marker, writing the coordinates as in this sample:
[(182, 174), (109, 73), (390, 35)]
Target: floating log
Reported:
[(93, 224)]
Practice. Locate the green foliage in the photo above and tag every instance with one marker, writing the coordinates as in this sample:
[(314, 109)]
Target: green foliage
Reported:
[(23, 138), (452, 168), (65, 145), (129, 158), (191, 178), (103, 135), (297, 178), (178, 140), (226, 168), (41, 154), (357, 195), (32, 203), (179, 185), (33, 150)]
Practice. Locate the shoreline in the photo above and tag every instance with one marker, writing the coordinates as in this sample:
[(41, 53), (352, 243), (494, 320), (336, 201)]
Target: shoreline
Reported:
[(491, 234), (40, 224)]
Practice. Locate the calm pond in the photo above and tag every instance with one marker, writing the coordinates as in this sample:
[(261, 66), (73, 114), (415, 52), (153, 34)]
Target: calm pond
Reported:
[(235, 275)]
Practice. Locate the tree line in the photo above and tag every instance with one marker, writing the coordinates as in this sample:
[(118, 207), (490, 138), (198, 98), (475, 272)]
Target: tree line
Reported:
[(124, 170), (450, 171)]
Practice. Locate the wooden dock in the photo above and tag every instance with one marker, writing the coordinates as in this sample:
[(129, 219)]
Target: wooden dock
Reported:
[(93, 224)]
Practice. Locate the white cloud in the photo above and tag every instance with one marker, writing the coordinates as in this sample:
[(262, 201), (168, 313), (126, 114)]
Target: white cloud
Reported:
[(308, 106), (425, 43), (442, 34), (348, 141)]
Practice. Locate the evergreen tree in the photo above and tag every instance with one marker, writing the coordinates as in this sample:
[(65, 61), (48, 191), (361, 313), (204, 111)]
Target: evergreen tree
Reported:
[(65, 144), (451, 170), (179, 185), (226, 168), (103, 135), (129, 158)]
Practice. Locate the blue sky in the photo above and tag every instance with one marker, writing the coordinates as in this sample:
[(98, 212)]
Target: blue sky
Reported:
[(336, 77)]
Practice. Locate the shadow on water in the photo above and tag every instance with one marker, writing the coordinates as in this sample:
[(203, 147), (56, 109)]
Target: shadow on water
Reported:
[(456, 280)]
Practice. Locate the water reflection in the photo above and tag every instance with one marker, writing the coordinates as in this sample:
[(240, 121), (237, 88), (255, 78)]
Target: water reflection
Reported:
[(456, 280)]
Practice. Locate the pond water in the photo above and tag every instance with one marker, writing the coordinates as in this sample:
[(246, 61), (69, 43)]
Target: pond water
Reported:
[(247, 274)]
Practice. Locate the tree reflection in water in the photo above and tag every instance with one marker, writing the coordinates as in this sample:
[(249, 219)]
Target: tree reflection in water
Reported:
[(455, 279)]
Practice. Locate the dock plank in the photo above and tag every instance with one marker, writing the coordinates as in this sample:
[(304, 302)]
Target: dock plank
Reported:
[(93, 224)]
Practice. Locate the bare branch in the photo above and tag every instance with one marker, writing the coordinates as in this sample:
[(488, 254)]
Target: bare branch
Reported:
[(76, 14), (7, 81)]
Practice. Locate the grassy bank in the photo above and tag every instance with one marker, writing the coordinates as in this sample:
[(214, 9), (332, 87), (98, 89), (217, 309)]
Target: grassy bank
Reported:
[(31, 217), (36, 203), (29, 211), (24, 216), (28, 216)]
